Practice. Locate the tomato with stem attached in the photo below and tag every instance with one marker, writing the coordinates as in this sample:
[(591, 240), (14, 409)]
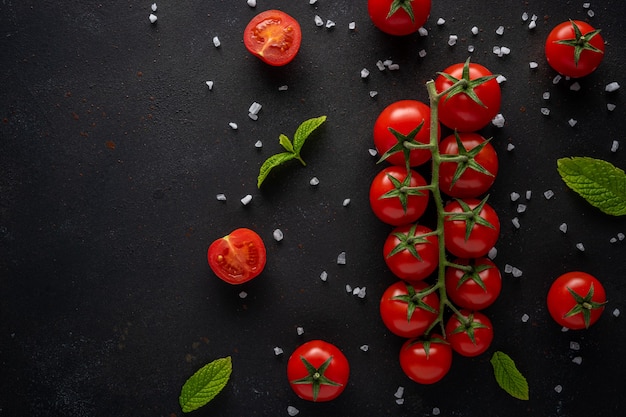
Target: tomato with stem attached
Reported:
[(471, 227), (273, 36), (237, 257), (473, 96), (409, 310), (469, 165), (399, 17), (398, 196), (474, 283), (576, 300), (411, 252), (574, 48), (318, 371), (470, 333), (402, 132), (426, 360)]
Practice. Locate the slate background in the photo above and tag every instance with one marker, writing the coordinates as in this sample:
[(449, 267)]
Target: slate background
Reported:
[(113, 151)]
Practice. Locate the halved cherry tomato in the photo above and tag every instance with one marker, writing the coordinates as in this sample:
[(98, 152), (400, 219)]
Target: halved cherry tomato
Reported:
[(576, 300), (574, 48), (237, 257), (273, 36)]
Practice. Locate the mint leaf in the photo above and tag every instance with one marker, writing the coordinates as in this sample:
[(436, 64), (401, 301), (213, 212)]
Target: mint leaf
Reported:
[(205, 384), (270, 163), (286, 143), (599, 182), (304, 131), (508, 376)]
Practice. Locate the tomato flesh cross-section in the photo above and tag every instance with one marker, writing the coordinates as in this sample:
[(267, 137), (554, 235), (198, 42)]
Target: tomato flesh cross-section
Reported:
[(273, 36), (237, 257)]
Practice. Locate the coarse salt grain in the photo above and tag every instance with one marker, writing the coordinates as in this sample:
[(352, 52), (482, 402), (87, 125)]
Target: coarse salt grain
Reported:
[(525, 16), (153, 7), (373, 93), (575, 86), (253, 116), (564, 329), (399, 401), (393, 67), (345, 202), (563, 227), (610, 106), (610, 87), (318, 21), (243, 294), (558, 389), (233, 125), (616, 312), (365, 73), (548, 194), (422, 31), (312, 1), (591, 13), (572, 122), (283, 88), (364, 348), (580, 246), (324, 276), (557, 78), (525, 318), (372, 152), (436, 411), (516, 272), (545, 111), (500, 79), (252, 3), (578, 360), (508, 268), (314, 181), (278, 351), (300, 330), (341, 258), (493, 252), (152, 18), (292, 411), (258, 144), (532, 24), (348, 288), (452, 40), (529, 194), (255, 108), (441, 21), (498, 121), (515, 196), (533, 64), (221, 197), (352, 25), (546, 95), (521, 208), (510, 147), (330, 24), (474, 30), (516, 222), (620, 236), (399, 392), (586, 5), (362, 292), (278, 235), (209, 84), (470, 48), (422, 53), (216, 41), (574, 345), (500, 30), (614, 146), (246, 200)]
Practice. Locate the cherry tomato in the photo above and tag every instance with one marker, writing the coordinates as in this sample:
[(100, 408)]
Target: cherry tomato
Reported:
[(426, 361), (399, 17), (391, 202), (318, 371), (576, 300), (273, 36), (412, 252), (475, 174), (574, 48), (471, 228), (473, 104), (470, 335), (406, 311), (237, 257), (476, 288), (404, 121)]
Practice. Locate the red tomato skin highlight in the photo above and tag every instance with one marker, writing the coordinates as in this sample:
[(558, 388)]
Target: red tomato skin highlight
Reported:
[(560, 301), (406, 266), (394, 312), (470, 294), (274, 37), (398, 24), (561, 57), (423, 368), (481, 239)]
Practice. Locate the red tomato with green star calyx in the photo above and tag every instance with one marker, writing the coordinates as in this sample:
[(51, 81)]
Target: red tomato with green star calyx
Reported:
[(390, 199), (406, 310), (237, 257), (470, 334), (576, 300), (474, 102), (404, 121), (471, 227), (475, 288), (318, 371), (273, 36), (426, 361), (399, 17), (574, 48), (411, 252)]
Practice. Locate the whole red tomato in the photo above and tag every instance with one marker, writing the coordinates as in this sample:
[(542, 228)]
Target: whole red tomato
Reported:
[(574, 48), (475, 288), (237, 257), (318, 371), (273, 36), (406, 311), (390, 199), (412, 252), (399, 17), (471, 228), (470, 334), (426, 361), (474, 102), (576, 300), (404, 121), (475, 170)]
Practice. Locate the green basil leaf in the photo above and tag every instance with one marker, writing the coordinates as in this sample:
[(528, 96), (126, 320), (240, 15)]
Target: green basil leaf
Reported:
[(508, 376), (205, 384), (285, 143), (304, 131), (599, 182), (272, 162)]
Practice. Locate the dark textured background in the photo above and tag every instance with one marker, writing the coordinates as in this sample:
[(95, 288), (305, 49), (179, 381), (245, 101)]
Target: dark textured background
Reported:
[(113, 151)]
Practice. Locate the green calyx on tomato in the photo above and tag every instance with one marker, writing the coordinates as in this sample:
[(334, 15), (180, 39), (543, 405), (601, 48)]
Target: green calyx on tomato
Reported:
[(404, 5), (471, 216), (408, 241), (403, 189), (415, 300), (465, 85), (466, 159), (584, 305), (405, 143), (581, 42), (316, 377), (468, 325)]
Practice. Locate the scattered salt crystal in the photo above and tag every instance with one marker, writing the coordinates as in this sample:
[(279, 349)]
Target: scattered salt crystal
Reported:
[(314, 181), (152, 18), (577, 360), (312, 1), (278, 235), (441, 21), (209, 84), (436, 411), (330, 24), (574, 345), (243, 294), (324, 276), (318, 21), (500, 30), (372, 152), (545, 111), (546, 95), (352, 25), (364, 348), (591, 13), (346, 202), (614, 146), (221, 197), (380, 65), (586, 5), (498, 121), (515, 196), (153, 7), (422, 31), (510, 147), (524, 16), (516, 272), (362, 292), (613, 240), (356, 290), (508, 268), (474, 30), (496, 50), (254, 108), (575, 86), (258, 144), (278, 351), (216, 41), (452, 40), (470, 48), (525, 317), (505, 50), (292, 411), (580, 246), (393, 67), (548, 194), (557, 78), (493, 252), (348, 288), (521, 208), (300, 330), (253, 116), (564, 329), (558, 389), (422, 53), (233, 125), (252, 3), (373, 93), (365, 73), (529, 194), (246, 200), (572, 122), (620, 236), (533, 64), (341, 258), (610, 106), (532, 24), (283, 88), (616, 312), (399, 401), (610, 87), (399, 392), (500, 79), (563, 227), (515, 222)]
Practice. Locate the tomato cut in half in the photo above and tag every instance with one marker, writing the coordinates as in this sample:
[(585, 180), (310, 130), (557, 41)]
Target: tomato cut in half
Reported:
[(273, 36), (237, 257)]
